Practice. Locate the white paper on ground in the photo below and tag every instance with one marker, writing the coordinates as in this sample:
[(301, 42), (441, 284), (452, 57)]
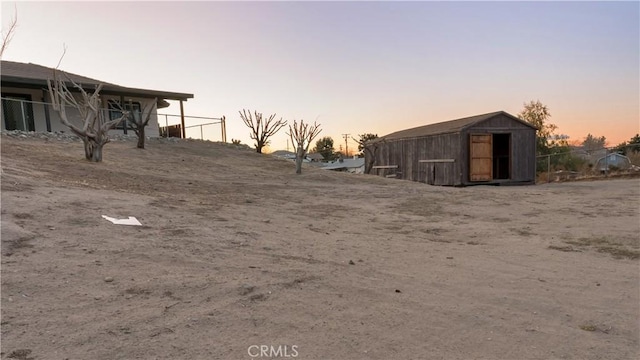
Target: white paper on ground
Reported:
[(130, 221)]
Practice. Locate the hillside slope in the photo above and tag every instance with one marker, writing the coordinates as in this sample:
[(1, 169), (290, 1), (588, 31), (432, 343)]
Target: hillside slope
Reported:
[(236, 250)]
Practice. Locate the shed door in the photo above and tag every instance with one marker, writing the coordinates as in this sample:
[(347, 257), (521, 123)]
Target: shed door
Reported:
[(480, 159)]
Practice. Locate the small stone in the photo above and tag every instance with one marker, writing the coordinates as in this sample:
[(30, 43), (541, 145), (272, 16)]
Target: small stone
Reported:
[(246, 289), (450, 257), (398, 291), (108, 279), (351, 262)]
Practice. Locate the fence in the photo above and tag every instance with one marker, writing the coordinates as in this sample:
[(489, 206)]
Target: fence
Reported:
[(20, 113), (589, 163), (204, 129)]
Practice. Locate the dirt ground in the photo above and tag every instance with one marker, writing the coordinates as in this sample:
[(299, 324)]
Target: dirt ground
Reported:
[(236, 251)]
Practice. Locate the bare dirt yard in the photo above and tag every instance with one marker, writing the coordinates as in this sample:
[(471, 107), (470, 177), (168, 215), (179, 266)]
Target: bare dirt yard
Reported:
[(237, 252)]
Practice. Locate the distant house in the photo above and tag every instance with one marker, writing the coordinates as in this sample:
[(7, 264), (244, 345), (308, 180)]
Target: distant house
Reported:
[(355, 165), (315, 157), (290, 155), (25, 99), (613, 160), (284, 154), (494, 148)]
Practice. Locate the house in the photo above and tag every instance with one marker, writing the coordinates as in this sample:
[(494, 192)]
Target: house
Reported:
[(355, 165), (25, 99), (315, 157), (494, 148), (289, 155), (284, 154), (613, 160)]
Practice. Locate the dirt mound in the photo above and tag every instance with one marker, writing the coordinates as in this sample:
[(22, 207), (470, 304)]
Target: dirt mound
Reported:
[(236, 253)]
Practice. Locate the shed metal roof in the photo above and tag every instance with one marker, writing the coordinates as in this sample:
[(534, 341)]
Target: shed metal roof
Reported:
[(452, 126), (344, 164), (36, 76)]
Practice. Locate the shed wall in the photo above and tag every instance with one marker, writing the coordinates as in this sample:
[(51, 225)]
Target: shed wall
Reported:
[(523, 150), (407, 153)]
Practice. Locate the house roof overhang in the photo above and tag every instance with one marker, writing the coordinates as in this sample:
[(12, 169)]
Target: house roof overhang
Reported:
[(107, 89), (33, 76)]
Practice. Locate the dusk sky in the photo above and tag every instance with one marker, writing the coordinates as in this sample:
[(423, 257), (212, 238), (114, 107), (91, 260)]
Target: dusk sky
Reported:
[(355, 67)]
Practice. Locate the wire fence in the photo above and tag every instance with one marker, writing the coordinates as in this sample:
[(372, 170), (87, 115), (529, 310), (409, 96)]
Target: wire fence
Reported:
[(20, 113), (196, 127), (581, 163)]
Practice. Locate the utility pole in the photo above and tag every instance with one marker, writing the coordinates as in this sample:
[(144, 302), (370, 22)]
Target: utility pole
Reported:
[(346, 144)]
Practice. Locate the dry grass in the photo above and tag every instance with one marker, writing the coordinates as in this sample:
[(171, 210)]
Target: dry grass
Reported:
[(619, 249)]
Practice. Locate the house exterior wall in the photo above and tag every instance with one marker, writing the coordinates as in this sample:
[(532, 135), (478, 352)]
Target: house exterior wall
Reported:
[(40, 100), (152, 129), (38, 108)]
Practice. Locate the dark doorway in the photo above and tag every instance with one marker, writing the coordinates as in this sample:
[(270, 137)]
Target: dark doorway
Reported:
[(17, 112), (501, 156)]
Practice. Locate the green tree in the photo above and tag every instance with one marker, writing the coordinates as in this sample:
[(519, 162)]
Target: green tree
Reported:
[(363, 138), (537, 114), (324, 146), (629, 147), (592, 143)]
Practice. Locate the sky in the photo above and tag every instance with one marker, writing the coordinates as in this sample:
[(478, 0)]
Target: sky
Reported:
[(354, 67)]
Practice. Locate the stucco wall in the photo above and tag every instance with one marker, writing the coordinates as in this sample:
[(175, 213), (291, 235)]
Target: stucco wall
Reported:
[(40, 97)]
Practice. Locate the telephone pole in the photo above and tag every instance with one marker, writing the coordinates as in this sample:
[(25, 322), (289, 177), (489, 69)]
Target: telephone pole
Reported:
[(346, 144)]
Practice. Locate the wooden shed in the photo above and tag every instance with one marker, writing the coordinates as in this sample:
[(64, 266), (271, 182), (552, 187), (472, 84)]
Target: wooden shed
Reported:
[(494, 148)]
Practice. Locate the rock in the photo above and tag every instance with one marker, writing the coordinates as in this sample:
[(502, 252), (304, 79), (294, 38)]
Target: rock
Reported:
[(351, 262), (398, 291), (108, 279), (246, 289)]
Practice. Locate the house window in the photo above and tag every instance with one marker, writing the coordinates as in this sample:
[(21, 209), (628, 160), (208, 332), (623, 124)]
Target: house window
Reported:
[(134, 108), (17, 112)]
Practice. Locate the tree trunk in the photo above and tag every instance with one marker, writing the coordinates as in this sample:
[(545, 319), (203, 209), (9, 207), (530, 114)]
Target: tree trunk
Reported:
[(97, 152), (141, 137), (88, 149), (299, 157), (92, 150)]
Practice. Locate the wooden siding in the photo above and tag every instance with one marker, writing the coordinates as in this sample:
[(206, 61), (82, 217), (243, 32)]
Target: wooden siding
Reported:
[(523, 151), (407, 153), (480, 157), (453, 154)]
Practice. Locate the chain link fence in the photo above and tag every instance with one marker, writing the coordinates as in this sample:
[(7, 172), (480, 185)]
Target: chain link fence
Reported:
[(583, 164)]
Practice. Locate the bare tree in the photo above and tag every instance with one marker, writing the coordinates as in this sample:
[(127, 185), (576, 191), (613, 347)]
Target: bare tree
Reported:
[(140, 120), (8, 34), (368, 144), (301, 137), (95, 127), (261, 129)]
